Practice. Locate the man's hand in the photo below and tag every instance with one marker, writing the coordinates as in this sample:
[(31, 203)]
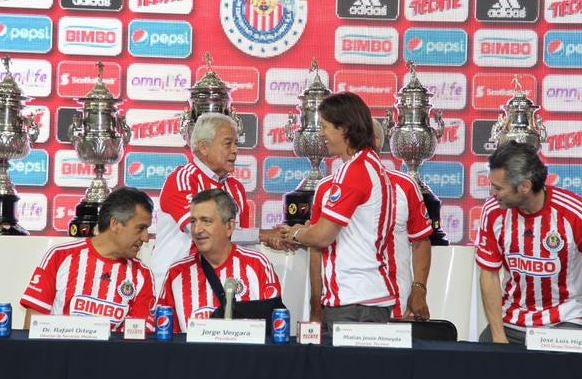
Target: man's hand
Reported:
[(417, 308), (276, 239)]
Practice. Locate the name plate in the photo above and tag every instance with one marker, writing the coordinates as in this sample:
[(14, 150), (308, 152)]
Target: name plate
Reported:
[(226, 331), (134, 329), (372, 335), (554, 339), (69, 328)]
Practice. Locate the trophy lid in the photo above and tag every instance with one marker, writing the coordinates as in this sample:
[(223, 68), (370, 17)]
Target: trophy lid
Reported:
[(316, 89), (211, 82), (519, 101), (414, 86), (100, 91), (8, 87)]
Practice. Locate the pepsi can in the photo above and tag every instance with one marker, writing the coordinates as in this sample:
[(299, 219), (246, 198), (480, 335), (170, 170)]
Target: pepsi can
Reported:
[(164, 323), (281, 323), (5, 319)]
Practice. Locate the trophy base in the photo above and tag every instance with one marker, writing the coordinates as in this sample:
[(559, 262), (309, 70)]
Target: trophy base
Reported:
[(8, 222), (297, 207), (85, 221), (433, 205)]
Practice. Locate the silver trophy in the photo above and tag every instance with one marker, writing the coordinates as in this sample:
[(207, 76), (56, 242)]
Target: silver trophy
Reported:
[(210, 94), (308, 143), (99, 135), (520, 123), (17, 133), (414, 140)]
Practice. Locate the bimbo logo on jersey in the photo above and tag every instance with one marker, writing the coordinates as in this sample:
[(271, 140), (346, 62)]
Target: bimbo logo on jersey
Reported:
[(283, 85), (150, 170), (436, 11), (367, 45), (282, 175), (26, 34), (368, 9), (564, 139), (563, 49), (31, 170), (568, 177), (82, 305), (497, 48), (90, 36), (562, 93), (436, 47), (446, 179), (563, 11), (533, 266), (159, 39), (161, 6)]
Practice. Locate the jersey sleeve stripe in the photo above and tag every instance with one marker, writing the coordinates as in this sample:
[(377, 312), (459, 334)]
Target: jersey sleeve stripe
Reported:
[(486, 264), (334, 216), (40, 305), (422, 233)]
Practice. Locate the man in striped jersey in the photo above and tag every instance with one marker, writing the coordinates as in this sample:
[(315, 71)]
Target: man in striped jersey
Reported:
[(99, 276), (534, 232), (187, 287)]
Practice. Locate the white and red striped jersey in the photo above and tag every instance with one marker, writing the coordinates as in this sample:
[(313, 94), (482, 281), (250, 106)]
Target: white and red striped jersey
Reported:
[(411, 223), (172, 238), (74, 279), (187, 290), (541, 255), (355, 266)]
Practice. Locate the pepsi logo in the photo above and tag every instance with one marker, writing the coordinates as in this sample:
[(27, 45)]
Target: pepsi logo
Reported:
[(279, 324), (3, 317), (163, 322), (335, 193), (556, 46), (274, 172), (136, 168), (3, 30), (415, 44), (139, 36), (270, 292), (552, 179)]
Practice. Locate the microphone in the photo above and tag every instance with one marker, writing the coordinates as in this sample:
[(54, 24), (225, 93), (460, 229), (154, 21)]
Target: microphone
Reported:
[(229, 287)]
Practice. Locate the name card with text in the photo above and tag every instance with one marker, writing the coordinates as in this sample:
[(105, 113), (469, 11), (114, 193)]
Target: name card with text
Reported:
[(554, 339), (226, 331), (69, 328), (372, 335)]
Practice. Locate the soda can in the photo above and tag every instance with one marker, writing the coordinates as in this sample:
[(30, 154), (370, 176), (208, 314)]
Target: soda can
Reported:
[(5, 319), (281, 323), (164, 323)]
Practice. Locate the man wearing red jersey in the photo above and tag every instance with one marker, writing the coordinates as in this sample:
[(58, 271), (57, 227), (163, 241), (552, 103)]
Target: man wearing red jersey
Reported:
[(535, 233), (99, 276), (188, 286)]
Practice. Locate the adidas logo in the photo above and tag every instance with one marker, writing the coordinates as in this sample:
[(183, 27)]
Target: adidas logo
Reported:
[(507, 9), (369, 8)]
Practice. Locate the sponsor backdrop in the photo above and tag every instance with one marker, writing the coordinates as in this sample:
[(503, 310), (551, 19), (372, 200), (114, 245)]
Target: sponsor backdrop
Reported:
[(467, 52)]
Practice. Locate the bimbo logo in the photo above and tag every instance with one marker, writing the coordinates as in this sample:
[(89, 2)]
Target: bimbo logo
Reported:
[(160, 39), (282, 175), (31, 170), (245, 170), (563, 11), (479, 180), (90, 306), (71, 172), (436, 47), (533, 266), (80, 35), (563, 49), (366, 45), (30, 34), (150, 170), (497, 48)]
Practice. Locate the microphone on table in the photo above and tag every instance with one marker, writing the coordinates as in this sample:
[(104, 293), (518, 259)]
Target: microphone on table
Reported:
[(229, 287)]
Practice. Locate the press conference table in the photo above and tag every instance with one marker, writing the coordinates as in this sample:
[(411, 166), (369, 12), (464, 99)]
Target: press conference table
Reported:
[(117, 358)]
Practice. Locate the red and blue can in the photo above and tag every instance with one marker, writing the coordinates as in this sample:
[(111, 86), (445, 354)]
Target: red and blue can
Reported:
[(164, 323), (281, 323), (5, 319)]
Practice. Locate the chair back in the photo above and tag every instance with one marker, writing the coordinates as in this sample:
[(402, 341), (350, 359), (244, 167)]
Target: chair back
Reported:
[(435, 330)]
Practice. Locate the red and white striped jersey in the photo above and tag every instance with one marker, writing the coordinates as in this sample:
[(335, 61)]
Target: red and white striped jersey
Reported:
[(187, 290), (355, 266), (411, 223), (541, 255), (172, 239), (74, 279)]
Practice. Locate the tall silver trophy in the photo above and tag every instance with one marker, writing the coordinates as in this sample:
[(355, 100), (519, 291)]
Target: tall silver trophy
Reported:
[(520, 123), (308, 143), (17, 132), (414, 140), (99, 135), (209, 94)]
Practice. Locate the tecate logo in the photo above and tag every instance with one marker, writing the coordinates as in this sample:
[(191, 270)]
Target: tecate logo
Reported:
[(437, 11), (452, 142), (160, 39), (436, 47), (81, 36), (155, 127), (563, 49), (563, 11), (275, 133), (30, 34), (564, 139), (149, 170), (497, 48)]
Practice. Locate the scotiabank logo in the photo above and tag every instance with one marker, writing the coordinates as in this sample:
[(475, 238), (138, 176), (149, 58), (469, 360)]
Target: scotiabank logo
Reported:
[(272, 214), (90, 36), (436, 47), (568, 177), (562, 93), (492, 90), (93, 5), (158, 82), (283, 85), (564, 139), (479, 180), (37, 4), (26, 34), (42, 117), (282, 175), (155, 127), (275, 132), (436, 11), (367, 45), (376, 88), (31, 170), (563, 49), (162, 39), (82, 305), (533, 266), (498, 48), (474, 221), (446, 179), (245, 170), (150, 170), (452, 218), (243, 82), (161, 6), (452, 142), (563, 12), (64, 210), (77, 78), (71, 172), (33, 76), (449, 89), (31, 211)]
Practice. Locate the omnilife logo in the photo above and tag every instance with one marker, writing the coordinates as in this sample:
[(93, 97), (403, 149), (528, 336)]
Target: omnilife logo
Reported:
[(368, 9)]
